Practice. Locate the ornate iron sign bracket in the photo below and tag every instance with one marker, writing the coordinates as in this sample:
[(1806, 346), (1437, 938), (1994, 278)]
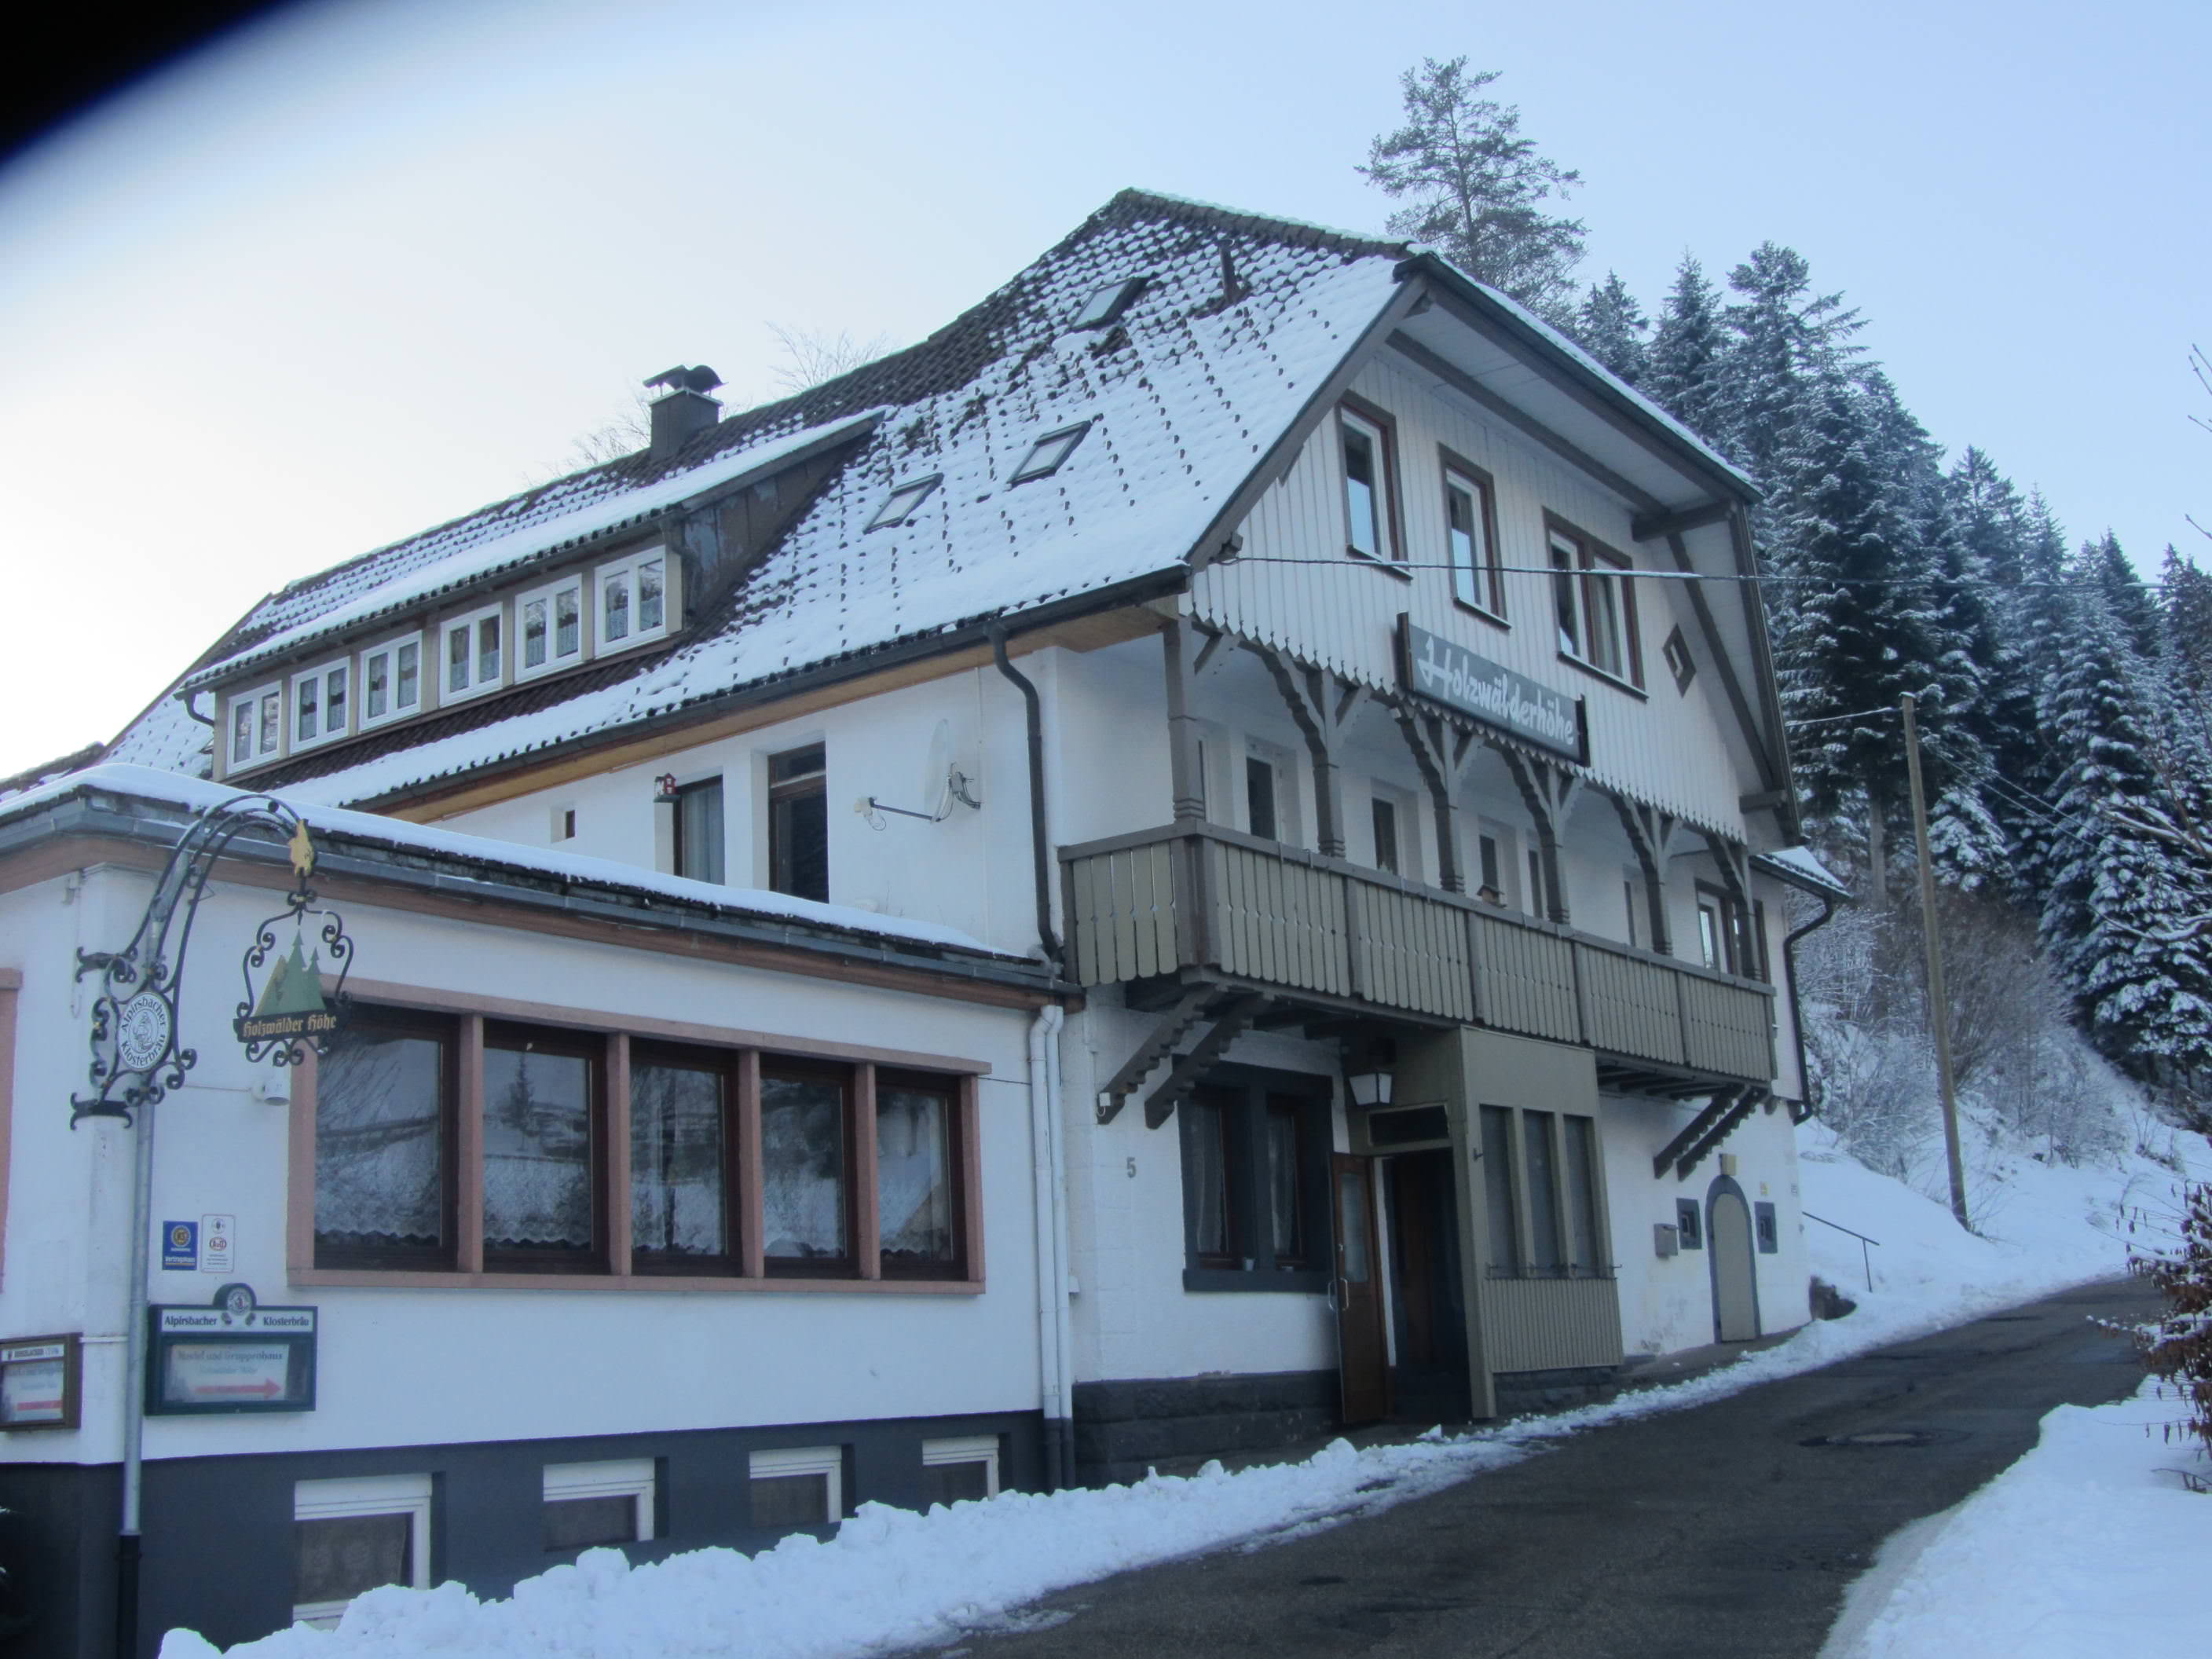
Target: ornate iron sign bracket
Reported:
[(137, 1051)]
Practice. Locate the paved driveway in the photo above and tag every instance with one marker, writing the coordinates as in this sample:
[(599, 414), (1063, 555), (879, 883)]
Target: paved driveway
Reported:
[(1730, 1528)]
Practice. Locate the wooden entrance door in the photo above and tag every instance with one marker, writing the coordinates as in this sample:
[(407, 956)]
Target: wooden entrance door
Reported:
[(1735, 1291), (1362, 1360)]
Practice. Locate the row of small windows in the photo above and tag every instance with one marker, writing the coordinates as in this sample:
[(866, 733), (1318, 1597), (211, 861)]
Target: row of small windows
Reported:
[(560, 624)]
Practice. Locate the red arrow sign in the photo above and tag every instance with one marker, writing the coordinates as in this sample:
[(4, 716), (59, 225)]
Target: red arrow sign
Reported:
[(265, 1387)]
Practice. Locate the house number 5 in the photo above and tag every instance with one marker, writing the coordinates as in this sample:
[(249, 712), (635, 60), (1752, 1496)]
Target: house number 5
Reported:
[(1133, 1169)]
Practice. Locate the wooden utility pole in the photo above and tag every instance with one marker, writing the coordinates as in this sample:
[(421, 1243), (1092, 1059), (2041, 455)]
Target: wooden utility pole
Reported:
[(1939, 1005)]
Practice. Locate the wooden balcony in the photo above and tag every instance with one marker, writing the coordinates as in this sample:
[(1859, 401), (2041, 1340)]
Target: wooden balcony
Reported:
[(1193, 902)]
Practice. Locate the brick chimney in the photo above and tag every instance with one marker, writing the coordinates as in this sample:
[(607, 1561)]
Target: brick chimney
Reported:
[(684, 410)]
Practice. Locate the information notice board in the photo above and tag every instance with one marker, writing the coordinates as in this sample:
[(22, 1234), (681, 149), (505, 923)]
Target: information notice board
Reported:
[(203, 1360)]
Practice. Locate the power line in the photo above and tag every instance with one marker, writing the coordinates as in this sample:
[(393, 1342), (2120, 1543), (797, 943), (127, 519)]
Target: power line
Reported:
[(2067, 585)]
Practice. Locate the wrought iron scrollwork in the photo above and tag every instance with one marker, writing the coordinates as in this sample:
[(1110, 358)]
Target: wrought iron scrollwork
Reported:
[(137, 1052)]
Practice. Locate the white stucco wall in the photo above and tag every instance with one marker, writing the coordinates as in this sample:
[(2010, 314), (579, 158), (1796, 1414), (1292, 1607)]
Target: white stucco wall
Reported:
[(402, 1366)]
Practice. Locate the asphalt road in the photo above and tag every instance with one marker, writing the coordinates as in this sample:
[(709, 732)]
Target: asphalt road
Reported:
[(1718, 1530)]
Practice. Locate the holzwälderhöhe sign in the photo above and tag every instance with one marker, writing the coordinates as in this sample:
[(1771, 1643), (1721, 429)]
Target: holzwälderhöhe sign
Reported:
[(1455, 678)]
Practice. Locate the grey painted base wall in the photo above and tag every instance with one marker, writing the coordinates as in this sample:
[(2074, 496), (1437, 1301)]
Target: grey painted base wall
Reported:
[(1521, 1392), (1121, 1429), (218, 1530)]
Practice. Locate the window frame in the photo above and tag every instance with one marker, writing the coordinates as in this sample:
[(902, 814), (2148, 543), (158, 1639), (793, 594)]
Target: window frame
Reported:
[(447, 1032), (319, 677), (629, 1041), (958, 1126), (1042, 461), (950, 1449), (390, 648), (1248, 1096), (349, 1497), (1354, 413), (550, 592), (1590, 562), (777, 837), (626, 569), (679, 842), (920, 490), (539, 1261), (1513, 1160), (785, 1462), (466, 623), (1478, 482), (731, 1071), (1106, 304), (847, 1263), (634, 1477), (1740, 955), (1681, 662), (254, 701)]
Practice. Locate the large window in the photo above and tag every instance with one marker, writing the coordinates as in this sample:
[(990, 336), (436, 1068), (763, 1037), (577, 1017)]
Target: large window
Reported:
[(1255, 1203), (798, 823), (1471, 536), (1593, 605), (699, 829), (455, 1144), (1364, 450), (1541, 1183)]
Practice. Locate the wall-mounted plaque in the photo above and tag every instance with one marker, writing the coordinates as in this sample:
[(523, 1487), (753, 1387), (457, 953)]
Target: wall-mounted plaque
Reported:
[(41, 1382), (1453, 678), (204, 1360)]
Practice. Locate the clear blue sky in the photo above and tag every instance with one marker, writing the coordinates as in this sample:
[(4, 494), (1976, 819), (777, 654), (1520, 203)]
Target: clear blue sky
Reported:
[(381, 263)]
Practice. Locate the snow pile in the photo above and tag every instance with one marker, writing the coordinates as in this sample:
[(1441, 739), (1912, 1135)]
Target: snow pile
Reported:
[(2089, 1544), (889, 1576)]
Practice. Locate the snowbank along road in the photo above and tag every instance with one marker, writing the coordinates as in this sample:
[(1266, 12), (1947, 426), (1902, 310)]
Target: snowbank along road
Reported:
[(1730, 1528)]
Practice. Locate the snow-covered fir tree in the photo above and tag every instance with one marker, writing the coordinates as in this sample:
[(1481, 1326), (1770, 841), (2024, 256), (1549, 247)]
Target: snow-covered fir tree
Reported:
[(1786, 342), (1683, 363), (1611, 327)]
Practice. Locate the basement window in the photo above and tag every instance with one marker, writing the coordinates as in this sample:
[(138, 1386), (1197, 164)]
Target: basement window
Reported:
[(590, 1505), (904, 502), (798, 1487), (1107, 302), (1050, 453), (962, 1467), (348, 1536)]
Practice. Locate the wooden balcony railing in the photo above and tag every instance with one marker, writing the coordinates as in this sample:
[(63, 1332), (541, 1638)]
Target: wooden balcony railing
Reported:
[(1199, 895)]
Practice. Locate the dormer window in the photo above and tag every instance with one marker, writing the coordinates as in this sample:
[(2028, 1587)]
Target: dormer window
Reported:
[(1106, 304), (1049, 453), (474, 652), (633, 599), (904, 502), (257, 725), (549, 626), (391, 681), (319, 704)]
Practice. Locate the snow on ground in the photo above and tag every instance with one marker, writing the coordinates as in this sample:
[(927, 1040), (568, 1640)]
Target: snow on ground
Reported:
[(2091, 1543), (889, 1578)]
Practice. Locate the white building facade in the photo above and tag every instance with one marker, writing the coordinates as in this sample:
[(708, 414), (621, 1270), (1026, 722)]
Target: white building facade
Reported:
[(1191, 861)]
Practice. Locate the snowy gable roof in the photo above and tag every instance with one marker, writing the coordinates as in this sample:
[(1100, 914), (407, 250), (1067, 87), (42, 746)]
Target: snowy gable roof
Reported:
[(1239, 322)]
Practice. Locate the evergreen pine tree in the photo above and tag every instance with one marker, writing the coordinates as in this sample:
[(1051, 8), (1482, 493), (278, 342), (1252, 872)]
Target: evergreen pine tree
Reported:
[(2125, 594), (1683, 362), (2118, 895), (2186, 607), (1476, 188), (1611, 328), (2039, 621), (1785, 340)]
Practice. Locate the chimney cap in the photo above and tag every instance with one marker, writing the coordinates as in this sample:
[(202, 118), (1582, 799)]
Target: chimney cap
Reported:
[(701, 379)]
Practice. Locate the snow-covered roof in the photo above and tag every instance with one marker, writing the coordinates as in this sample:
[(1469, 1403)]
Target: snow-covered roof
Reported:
[(1240, 323), (1798, 866), (471, 854)]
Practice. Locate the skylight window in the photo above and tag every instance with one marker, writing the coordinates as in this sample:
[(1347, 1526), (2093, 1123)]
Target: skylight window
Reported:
[(904, 502), (1051, 452), (1106, 304)]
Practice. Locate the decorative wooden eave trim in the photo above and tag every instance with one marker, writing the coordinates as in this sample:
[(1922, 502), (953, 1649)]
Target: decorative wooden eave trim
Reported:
[(1772, 776)]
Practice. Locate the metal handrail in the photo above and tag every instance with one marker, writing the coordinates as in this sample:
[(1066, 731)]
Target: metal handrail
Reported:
[(1864, 1254)]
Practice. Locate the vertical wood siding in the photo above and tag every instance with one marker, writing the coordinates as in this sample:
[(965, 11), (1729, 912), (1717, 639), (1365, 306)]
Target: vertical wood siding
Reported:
[(1666, 748), (1306, 923), (1550, 1324)]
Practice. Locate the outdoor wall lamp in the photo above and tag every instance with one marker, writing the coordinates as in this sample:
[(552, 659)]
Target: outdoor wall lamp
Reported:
[(664, 793)]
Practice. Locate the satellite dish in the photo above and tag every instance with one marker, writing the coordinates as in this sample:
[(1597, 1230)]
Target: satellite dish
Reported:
[(942, 783), (936, 793)]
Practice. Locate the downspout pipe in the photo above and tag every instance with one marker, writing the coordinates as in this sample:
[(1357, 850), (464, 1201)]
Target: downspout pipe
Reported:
[(1048, 1171), (1789, 979), (1040, 836)]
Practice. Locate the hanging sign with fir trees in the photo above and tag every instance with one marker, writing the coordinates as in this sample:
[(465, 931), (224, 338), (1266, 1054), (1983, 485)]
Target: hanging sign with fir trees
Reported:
[(291, 1007)]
